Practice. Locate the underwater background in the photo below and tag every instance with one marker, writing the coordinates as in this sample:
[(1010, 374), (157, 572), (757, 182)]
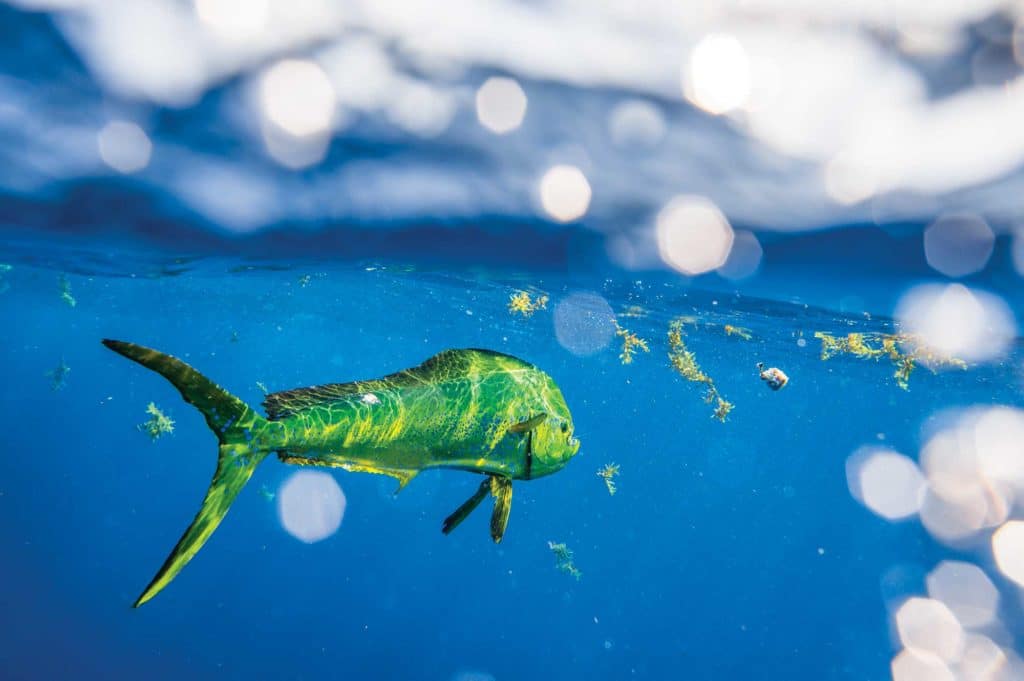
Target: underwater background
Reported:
[(657, 205)]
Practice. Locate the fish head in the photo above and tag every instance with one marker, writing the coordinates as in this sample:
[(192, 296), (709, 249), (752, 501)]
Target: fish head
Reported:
[(553, 444)]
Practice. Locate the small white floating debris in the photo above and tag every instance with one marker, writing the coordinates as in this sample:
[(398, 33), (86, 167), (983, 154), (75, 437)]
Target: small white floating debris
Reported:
[(775, 378), (370, 398)]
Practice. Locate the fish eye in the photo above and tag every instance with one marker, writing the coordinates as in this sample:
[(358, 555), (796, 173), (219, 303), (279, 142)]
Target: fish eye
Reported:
[(565, 427)]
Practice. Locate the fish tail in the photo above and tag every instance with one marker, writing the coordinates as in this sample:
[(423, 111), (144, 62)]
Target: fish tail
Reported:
[(234, 424)]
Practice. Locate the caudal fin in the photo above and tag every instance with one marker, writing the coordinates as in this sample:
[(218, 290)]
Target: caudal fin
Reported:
[(233, 422)]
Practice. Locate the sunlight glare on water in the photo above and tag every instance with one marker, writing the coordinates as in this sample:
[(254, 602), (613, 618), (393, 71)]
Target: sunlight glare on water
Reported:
[(310, 505), (124, 146), (718, 74), (565, 193), (234, 19), (299, 109), (957, 321), (693, 235), (500, 105)]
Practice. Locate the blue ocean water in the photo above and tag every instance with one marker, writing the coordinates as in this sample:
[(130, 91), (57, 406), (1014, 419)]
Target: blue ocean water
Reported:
[(286, 194), (730, 550)]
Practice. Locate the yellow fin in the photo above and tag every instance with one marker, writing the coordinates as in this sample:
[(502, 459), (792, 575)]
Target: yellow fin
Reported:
[(403, 476), (501, 490)]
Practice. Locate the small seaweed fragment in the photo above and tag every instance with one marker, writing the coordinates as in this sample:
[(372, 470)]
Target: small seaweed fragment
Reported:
[(739, 331), (609, 471), (266, 493), (685, 363), (304, 280), (158, 423), (905, 351), (630, 343), (521, 302), (59, 376), (262, 386), (234, 336), (65, 291), (564, 559)]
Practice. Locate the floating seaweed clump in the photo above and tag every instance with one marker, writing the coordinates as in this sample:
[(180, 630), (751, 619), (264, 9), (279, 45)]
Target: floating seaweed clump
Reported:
[(564, 559), (608, 472), (905, 351), (684, 362), (521, 302), (159, 424), (630, 344), (65, 291)]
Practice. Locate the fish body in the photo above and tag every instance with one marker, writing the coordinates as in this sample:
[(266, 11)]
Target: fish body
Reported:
[(457, 410), (471, 410)]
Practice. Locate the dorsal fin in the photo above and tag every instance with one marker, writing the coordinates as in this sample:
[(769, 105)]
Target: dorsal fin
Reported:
[(446, 364)]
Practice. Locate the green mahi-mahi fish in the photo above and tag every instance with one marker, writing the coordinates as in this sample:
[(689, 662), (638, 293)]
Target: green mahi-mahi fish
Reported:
[(472, 410)]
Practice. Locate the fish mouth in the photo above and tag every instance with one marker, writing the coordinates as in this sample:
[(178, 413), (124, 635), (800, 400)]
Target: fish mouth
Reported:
[(574, 444)]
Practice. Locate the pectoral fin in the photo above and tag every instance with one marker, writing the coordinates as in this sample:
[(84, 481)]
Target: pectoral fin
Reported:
[(501, 490), (527, 425), (462, 512)]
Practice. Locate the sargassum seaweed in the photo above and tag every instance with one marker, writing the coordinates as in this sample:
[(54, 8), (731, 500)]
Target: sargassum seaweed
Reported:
[(158, 424), (608, 472), (521, 302), (65, 291), (904, 350), (564, 559), (630, 343), (685, 363)]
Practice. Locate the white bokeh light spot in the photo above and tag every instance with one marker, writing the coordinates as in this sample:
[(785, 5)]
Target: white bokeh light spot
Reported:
[(500, 105), (234, 19), (310, 506), (636, 123), (886, 482), (693, 235), (983, 660), (124, 146), (421, 109), (565, 193), (928, 626), (717, 78), (958, 245), (584, 323), (966, 590), (968, 324), (913, 665), (297, 97), (1008, 549), (745, 257)]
